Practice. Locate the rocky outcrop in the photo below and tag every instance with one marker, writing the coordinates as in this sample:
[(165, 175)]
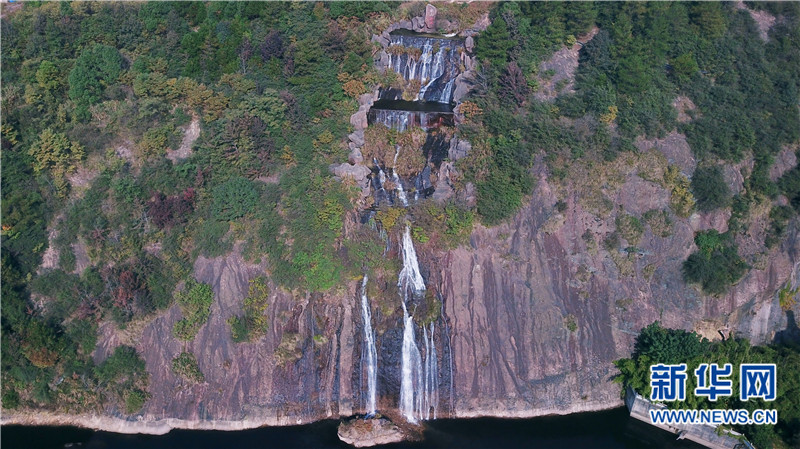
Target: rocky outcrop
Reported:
[(360, 432)]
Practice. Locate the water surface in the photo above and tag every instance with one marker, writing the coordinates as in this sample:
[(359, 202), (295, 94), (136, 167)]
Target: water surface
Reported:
[(612, 429)]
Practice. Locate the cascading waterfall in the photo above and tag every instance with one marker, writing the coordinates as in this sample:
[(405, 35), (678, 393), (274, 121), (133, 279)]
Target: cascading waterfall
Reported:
[(414, 397), (410, 275), (411, 379), (434, 62), (372, 353)]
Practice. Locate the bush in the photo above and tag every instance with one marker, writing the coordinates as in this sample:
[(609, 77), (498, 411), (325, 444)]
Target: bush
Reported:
[(629, 228), (716, 264), (124, 363), (134, 401), (234, 199), (710, 189), (195, 301), (253, 324), (211, 239), (185, 365)]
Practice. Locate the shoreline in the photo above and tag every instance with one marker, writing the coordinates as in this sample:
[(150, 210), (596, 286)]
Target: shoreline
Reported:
[(165, 425)]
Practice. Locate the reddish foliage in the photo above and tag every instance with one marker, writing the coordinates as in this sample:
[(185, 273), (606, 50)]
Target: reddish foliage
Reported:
[(168, 211), (513, 85)]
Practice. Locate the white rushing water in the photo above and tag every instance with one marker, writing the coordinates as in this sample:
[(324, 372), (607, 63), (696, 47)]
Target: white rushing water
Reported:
[(431, 375), (413, 395), (435, 66), (411, 379), (410, 275), (372, 353)]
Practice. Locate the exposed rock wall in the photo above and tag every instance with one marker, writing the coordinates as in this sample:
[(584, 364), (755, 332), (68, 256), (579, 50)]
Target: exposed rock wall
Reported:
[(512, 294)]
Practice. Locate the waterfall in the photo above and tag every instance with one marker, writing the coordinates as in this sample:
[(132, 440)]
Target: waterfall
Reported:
[(411, 379), (414, 389), (434, 62), (431, 374), (410, 274), (372, 353)]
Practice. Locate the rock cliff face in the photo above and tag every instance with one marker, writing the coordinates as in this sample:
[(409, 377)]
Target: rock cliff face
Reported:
[(533, 316), (536, 318)]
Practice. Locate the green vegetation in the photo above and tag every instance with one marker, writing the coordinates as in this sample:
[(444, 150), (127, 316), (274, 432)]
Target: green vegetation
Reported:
[(195, 301), (709, 188), (715, 265), (656, 344), (185, 365), (234, 199), (123, 376), (253, 324)]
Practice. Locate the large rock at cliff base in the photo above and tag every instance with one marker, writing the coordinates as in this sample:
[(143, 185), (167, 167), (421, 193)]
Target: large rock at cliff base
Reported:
[(360, 432)]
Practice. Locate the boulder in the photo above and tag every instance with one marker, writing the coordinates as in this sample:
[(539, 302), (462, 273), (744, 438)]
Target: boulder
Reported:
[(357, 137), (462, 87), (406, 24), (469, 44), (418, 24), (358, 172), (380, 39), (355, 156), (360, 432), (359, 119), (430, 17), (458, 149)]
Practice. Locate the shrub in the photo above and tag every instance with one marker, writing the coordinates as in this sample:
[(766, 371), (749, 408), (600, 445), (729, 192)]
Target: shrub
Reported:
[(134, 401), (211, 238), (185, 365), (629, 228), (253, 324), (195, 301), (659, 222), (710, 189), (234, 199), (716, 264), (124, 363)]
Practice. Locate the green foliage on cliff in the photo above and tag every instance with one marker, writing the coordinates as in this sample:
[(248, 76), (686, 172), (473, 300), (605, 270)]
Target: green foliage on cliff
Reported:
[(195, 301), (185, 365), (710, 189), (716, 264), (656, 344), (253, 324)]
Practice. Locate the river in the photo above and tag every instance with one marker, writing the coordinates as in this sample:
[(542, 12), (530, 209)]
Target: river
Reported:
[(611, 429)]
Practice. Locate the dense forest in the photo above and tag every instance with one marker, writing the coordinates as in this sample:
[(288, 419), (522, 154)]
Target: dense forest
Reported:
[(99, 98)]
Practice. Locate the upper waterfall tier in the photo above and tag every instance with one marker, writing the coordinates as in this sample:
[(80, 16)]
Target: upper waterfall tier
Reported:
[(434, 62)]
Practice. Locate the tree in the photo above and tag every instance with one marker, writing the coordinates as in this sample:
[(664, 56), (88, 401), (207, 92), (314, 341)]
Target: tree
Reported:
[(95, 69), (54, 153), (494, 43), (710, 189), (513, 85), (716, 264)]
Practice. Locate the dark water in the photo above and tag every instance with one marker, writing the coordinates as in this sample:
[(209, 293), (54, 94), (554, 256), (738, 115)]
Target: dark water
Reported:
[(600, 430), (415, 106)]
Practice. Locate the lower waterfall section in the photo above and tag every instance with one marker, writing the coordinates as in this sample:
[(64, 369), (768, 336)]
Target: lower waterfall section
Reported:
[(419, 380), (371, 352)]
